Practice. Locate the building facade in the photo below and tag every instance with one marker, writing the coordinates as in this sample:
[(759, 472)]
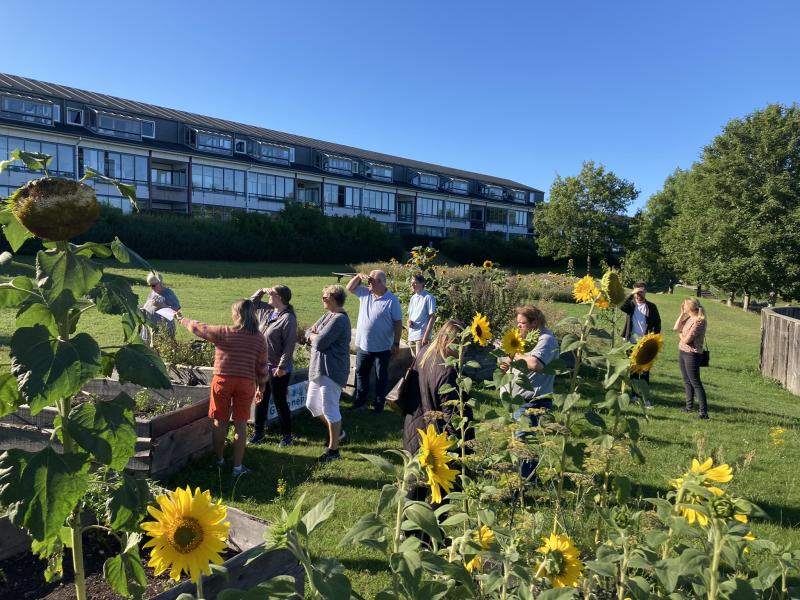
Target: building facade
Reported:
[(188, 163)]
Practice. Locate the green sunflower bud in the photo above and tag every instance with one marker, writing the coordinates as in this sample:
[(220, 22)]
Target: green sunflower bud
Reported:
[(722, 507), (613, 288), (54, 208), (621, 517)]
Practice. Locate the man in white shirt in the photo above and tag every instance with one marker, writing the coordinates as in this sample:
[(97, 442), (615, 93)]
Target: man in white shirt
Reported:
[(421, 315), (641, 318)]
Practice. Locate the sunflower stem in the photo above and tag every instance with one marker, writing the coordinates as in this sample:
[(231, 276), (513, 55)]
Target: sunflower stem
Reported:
[(200, 594), (714, 572)]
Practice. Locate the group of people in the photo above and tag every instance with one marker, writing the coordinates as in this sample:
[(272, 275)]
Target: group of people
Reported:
[(253, 357)]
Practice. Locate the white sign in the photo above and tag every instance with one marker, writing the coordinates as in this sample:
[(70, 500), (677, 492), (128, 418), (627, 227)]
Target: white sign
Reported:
[(167, 313)]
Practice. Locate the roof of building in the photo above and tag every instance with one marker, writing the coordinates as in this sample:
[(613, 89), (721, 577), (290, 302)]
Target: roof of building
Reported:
[(103, 101)]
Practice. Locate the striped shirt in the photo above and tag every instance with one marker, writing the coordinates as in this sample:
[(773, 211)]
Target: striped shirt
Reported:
[(237, 352), (693, 330)]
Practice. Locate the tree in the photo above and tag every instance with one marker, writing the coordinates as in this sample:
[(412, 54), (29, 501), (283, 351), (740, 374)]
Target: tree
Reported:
[(738, 222), (585, 214), (646, 260)]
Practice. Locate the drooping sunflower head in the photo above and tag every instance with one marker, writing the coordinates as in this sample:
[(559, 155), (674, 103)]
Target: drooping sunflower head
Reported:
[(585, 291), (513, 342), (485, 537), (487, 264), (433, 457), (709, 473), (188, 533), (645, 352), (55, 208), (612, 286), (559, 561), (602, 302), (480, 329)]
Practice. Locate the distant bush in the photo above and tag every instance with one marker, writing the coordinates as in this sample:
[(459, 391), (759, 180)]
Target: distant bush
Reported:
[(296, 234), (518, 252)]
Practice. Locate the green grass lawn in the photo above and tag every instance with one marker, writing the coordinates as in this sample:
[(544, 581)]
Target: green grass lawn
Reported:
[(743, 408)]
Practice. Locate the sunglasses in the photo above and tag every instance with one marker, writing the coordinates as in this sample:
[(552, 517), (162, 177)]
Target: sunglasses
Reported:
[(153, 285), (326, 298)]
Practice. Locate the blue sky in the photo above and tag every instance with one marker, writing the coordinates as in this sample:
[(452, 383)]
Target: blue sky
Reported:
[(524, 90)]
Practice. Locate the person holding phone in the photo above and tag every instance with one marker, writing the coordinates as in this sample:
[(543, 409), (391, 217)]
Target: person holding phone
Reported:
[(691, 328)]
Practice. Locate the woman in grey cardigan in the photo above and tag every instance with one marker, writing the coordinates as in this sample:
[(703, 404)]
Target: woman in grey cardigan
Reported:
[(329, 366)]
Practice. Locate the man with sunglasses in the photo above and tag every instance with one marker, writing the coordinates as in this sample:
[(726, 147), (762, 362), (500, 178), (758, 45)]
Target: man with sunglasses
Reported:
[(160, 297), (380, 322)]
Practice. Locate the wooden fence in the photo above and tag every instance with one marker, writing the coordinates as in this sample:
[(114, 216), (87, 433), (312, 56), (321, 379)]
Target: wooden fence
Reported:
[(780, 346)]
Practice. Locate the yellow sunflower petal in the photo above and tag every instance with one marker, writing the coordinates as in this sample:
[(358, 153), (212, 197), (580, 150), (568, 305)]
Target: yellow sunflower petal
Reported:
[(585, 290), (481, 332)]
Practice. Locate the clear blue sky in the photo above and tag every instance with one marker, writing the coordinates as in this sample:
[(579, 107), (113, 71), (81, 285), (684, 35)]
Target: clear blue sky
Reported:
[(519, 89)]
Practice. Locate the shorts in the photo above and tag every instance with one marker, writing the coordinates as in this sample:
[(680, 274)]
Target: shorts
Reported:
[(322, 398), (231, 394)]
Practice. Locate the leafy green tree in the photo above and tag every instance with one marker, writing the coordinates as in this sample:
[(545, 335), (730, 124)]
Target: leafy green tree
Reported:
[(738, 222), (585, 214), (646, 260)]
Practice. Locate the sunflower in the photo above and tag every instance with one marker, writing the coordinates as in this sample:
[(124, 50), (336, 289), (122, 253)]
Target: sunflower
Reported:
[(487, 264), (560, 562), (485, 537), (433, 457), (513, 343), (585, 290), (645, 352), (480, 329), (719, 474), (188, 533), (612, 287), (602, 302)]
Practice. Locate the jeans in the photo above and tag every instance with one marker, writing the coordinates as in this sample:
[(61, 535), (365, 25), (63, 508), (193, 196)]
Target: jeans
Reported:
[(528, 466), (690, 370), (364, 362), (277, 388)]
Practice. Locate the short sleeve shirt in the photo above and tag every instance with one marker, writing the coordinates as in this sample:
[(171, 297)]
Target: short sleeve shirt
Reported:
[(376, 319), (542, 383), (420, 308), (639, 322)]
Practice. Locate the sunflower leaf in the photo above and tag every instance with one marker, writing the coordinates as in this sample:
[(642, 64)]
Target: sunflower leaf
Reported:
[(124, 572), (58, 271), (16, 233), (128, 503), (16, 291), (10, 398), (384, 465), (105, 429), (138, 363), (319, 514)]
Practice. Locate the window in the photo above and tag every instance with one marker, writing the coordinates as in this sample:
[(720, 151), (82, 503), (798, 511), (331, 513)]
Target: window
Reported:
[(274, 153), (268, 187), (27, 109), (342, 195), (119, 126), (209, 141), (429, 207), (168, 177), (496, 215), (426, 180), (492, 191), (431, 231), (148, 129), (520, 196), (126, 167), (56, 113), (63, 162), (457, 186), (457, 211), (74, 116), (339, 164), (240, 147), (378, 201), (378, 171), (517, 218)]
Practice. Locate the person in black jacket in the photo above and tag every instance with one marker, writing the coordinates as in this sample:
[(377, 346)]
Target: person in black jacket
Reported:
[(641, 318)]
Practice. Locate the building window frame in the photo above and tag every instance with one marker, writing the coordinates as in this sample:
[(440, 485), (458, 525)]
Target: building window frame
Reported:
[(8, 111), (286, 157), (74, 111), (341, 165), (373, 171), (419, 180), (192, 138)]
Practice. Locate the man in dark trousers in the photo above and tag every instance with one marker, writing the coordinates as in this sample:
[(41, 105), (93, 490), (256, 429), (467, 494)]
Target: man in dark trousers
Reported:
[(641, 318)]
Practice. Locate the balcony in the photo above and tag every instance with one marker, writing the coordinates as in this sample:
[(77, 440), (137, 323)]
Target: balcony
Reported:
[(169, 193)]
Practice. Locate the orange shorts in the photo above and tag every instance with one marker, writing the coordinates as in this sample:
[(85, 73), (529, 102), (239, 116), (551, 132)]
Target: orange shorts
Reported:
[(229, 392)]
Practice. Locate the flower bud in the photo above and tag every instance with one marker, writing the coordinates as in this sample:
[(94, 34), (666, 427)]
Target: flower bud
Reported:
[(613, 288), (722, 507), (56, 209)]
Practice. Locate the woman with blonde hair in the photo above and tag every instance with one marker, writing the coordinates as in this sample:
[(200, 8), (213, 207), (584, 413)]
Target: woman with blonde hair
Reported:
[(691, 327), (240, 372), (433, 374)]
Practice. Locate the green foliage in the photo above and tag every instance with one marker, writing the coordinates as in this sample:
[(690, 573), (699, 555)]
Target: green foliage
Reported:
[(518, 252), (585, 214)]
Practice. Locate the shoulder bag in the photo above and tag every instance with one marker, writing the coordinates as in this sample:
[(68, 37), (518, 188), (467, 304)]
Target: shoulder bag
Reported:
[(706, 358), (404, 398)]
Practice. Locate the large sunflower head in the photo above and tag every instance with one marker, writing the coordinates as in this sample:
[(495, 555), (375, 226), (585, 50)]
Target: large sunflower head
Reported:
[(188, 533), (513, 343), (55, 208), (480, 329), (612, 286), (645, 352), (433, 457), (559, 561), (709, 473), (487, 264), (585, 291)]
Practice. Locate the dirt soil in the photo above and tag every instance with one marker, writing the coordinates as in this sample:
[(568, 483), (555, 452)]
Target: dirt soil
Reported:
[(22, 576)]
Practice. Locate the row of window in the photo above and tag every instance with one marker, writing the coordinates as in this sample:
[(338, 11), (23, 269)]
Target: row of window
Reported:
[(63, 162), (118, 165), (270, 186), (217, 179)]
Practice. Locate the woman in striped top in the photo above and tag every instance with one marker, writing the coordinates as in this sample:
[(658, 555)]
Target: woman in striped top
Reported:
[(240, 372), (691, 328)]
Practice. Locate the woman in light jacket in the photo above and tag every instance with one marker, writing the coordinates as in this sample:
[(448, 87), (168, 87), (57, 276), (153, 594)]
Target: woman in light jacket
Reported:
[(691, 328), (329, 366)]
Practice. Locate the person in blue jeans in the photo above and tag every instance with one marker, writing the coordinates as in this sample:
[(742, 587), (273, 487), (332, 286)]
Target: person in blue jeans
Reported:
[(380, 322), (528, 319)]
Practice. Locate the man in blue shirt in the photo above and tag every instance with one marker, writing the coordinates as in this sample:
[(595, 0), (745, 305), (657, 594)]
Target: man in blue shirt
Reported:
[(380, 322), (421, 315)]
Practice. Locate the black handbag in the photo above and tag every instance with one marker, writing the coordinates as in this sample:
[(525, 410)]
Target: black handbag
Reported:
[(404, 398), (706, 358)]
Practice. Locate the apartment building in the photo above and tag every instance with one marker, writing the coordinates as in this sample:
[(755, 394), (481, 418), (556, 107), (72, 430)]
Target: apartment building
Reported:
[(192, 164)]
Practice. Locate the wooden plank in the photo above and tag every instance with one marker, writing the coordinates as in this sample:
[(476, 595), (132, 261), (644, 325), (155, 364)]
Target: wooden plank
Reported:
[(13, 540), (793, 359), (781, 350), (162, 424), (174, 449), (25, 437)]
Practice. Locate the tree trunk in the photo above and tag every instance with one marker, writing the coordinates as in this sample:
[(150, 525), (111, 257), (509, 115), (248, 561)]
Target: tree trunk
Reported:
[(588, 261), (746, 301), (698, 290), (731, 296)]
